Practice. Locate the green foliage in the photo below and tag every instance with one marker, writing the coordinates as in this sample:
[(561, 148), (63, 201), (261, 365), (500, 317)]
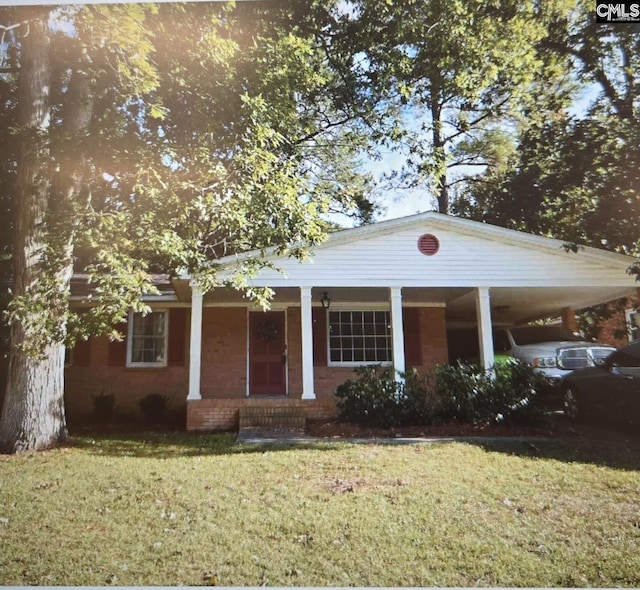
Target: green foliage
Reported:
[(446, 74), (374, 399), (154, 407), (505, 394), (464, 392), (208, 130), (575, 175), (104, 407)]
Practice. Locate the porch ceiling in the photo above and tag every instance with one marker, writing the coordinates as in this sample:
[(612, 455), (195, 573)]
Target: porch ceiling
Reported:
[(434, 296), (517, 305), (509, 305)]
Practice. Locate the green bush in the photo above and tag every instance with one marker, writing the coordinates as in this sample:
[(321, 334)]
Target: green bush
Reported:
[(378, 399), (372, 399), (154, 407), (104, 407), (464, 392), (505, 394)]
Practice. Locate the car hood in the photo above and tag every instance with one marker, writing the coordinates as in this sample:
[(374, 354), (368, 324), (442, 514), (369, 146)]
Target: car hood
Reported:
[(530, 351)]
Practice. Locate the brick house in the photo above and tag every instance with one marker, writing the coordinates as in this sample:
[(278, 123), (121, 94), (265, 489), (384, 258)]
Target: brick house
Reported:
[(623, 327), (385, 293)]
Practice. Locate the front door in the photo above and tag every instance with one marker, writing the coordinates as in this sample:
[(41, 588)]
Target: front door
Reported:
[(267, 353)]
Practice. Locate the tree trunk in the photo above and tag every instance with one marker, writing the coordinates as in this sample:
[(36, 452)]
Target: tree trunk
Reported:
[(440, 158), (33, 410)]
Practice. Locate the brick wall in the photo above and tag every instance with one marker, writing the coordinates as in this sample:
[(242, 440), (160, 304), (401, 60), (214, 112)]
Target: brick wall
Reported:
[(294, 352), (128, 386), (224, 370), (433, 337), (614, 330), (213, 414), (224, 352)]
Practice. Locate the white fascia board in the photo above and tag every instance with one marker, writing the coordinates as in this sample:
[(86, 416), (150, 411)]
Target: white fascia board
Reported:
[(146, 298), (629, 283)]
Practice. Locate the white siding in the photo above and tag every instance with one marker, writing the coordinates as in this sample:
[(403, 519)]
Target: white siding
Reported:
[(393, 259)]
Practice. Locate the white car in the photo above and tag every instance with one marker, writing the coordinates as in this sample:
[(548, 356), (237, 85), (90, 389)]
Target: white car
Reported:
[(553, 351)]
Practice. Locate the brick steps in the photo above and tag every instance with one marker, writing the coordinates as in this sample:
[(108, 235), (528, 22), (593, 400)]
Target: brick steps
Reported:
[(266, 415), (223, 415)]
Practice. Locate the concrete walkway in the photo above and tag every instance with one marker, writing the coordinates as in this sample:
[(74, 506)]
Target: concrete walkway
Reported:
[(260, 436)]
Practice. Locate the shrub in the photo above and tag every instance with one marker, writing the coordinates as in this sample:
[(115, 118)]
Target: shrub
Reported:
[(154, 407), (471, 394), (372, 399), (378, 399), (464, 392), (421, 403), (104, 407)]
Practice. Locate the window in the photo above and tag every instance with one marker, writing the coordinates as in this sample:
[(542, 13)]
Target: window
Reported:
[(147, 341), (633, 324), (359, 337)]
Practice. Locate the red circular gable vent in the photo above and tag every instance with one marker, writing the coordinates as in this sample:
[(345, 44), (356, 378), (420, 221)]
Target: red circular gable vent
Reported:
[(428, 244)]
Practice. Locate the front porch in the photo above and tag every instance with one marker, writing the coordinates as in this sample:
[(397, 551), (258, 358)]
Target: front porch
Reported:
[(237, 362), (276, 413), (382, 294), (242, 357)]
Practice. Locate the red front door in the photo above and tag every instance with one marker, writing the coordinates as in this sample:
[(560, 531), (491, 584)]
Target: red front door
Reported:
[(267, 353)]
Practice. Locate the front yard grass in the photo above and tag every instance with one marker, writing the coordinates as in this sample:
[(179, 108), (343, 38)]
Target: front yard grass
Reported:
[(190, 510)]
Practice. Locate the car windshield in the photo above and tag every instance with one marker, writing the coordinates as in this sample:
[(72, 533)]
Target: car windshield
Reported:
[(537, 334)]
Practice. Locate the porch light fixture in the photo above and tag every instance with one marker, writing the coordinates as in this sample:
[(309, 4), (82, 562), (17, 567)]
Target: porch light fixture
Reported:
[(325, 301)]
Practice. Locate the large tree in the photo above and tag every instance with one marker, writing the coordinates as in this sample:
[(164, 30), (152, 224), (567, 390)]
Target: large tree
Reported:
[(576, 173), (157, 138), (447, 75)]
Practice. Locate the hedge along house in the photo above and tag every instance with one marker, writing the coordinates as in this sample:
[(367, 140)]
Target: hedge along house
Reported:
[(385, 293)]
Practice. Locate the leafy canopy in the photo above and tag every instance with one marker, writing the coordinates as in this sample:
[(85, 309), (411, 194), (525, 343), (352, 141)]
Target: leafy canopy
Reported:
[(210, 131)]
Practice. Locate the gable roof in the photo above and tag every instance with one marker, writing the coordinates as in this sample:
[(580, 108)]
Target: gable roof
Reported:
[(471, 254)]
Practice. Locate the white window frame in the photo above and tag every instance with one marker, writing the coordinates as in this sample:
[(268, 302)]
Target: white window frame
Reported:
[(360, 308), (149, 365), (631, 323)]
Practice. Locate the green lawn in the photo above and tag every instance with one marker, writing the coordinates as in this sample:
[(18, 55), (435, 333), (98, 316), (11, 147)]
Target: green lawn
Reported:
[(201, 510)]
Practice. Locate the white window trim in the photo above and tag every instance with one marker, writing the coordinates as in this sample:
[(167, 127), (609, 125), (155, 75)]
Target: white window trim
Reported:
[(353, 306), (154, 365), (627, 314)]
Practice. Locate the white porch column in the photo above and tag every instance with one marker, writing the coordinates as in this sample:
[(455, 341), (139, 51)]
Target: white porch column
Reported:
[(485, 336), (397, 331), (195, 344), (308, 389)]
